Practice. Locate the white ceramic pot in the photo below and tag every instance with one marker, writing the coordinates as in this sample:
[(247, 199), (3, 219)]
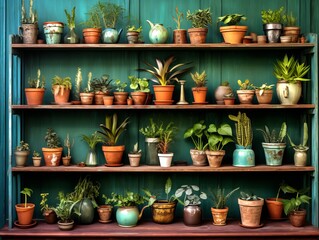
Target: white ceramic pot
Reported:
[(165, 159)]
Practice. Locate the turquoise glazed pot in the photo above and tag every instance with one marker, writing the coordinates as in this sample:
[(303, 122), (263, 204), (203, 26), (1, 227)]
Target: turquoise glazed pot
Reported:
[(127, 216), (158, 33), (111, 35), (243, 157), (274, 153), (53, 32)]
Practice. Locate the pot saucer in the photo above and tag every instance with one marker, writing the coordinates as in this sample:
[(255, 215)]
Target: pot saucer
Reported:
[(168, 102), (114, 165), (259, 226), (108, 221), (198, 103), (67, 103), (32, 224)]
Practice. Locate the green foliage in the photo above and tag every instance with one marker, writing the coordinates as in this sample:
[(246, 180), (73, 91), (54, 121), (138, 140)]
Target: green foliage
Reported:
[(92, 139), (163, 73), (290, 70), (264, 87), (294, 203), (119, 85), (196, 133), (248, 197), (111, 131), (167, 188), (61, 84), (246, 85), (23, 146), (192, 195), (244, 133), (289, 20), (27, 193), (36, 154), (220, 197), (135, 149), (37, 83), (70, 18), (64, 209), (43, 204), (52, 139), (139, 84), (303, 145), (93, 20), (232, 19), (132, 28), (166, 137), (107, 12), (179, 18), (272, 137), (272, 16), (153, 130), (124, 200), (225, 83), (33, 16), (102, 84), (218, 137), (199, 79), (200, 18)]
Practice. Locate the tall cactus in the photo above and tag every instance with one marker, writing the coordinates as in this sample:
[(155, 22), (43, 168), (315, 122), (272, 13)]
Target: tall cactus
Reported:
[(244, 133)]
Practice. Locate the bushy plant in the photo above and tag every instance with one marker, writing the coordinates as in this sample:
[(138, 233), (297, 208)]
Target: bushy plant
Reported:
[(200, 18), (52, 138), (192, 195), (232, 19)]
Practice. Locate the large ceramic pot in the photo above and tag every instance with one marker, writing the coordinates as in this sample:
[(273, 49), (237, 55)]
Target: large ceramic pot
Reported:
[(113, 155), (219, 216), (197, 35), (274, 153), (86, 209), (163, 212), (243, 157), (199, 157), (127, 216), (25, 214), (34, 96), (192, 215), (215, 158), (151, 151), (273, 32), (288, 93), (275, 208), (53, 32), (29, 33), (233, 34), (250, 212), (52, 156), (111, 35)]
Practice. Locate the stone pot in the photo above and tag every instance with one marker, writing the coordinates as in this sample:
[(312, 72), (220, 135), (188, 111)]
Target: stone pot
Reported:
[(134, 159), (199, 157), (21, 158), (250, 212)]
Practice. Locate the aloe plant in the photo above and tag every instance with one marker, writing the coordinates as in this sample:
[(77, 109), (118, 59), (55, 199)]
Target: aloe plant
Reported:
[(303, 145), (271, 136), (199, 79), (220, 197)]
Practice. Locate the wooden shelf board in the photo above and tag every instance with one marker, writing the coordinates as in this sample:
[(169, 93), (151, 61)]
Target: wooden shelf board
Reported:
[(152, 230), (155, 107), (144, 168)]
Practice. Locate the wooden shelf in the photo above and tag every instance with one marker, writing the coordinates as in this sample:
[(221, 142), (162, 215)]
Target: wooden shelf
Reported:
[(150, 230), (155, 107), (158, 169)]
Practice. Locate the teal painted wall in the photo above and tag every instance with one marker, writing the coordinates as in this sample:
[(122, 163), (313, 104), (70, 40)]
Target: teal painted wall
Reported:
[(219, 66)]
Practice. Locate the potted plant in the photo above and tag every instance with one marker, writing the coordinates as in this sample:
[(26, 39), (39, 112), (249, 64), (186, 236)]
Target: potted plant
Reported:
[(291, 28), (127, 213), (134, 156), (64, 212), (200, 19), (110, 132), (91, 140), (246, 92), (29, 24), (290, 73), (164, 77), (274, 144), (133, 34), (21, 153), (35, 92), (163, 210), (300, 155), (71, 36), (105, 211), (165, 139), (220, 209), (152, 133), (120, 95), (49, 214), (229, 98), (192, 203), (93, 31), (141, 90), (196, 133), (87, 96), (272, 24), (292, 206), (67, 143), (275, 206), (244, 155), (36, 158), (200, 89), (250, 207), (179, 35), (264, 93), (222, 90), (25, 210), (101, 87), (217, 139), (61, 88), (53, 152), (233, 33)]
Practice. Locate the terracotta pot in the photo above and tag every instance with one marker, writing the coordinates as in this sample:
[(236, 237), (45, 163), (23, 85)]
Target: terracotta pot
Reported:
[(219, 216), (63, 95), (163, 212), (87, 98), (215, 158), (36, 161), (233, 34), (134, 159), (294, 32), (138, 98), (50, 216), (129, 101), (288, 93), (120, 98), (66, 226), (66, 161), (245, 96), (298, 218), (229, 101), (25, 214), (52, 156), (113, 155), (98, 98), (108, 100), (163, 93), (220, 92), (105, 213), (21, 158), (197, 35), (192, 215), (92, 35), (199, 94), (275, 208), (265, 97), (34, 96), (199, 157), (250, 212), (179, 36)]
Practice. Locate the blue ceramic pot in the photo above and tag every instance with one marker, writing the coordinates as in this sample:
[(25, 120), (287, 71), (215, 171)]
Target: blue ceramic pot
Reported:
[(274, 153), (111, 35), (243, 157), (127, 216)]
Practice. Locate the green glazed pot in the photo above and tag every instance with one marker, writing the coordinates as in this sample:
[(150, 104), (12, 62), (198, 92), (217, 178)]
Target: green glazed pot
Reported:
[(127, 216)]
